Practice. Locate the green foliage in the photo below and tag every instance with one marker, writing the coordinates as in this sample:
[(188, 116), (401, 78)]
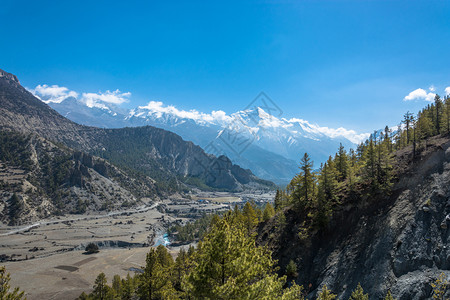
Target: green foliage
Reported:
[(269, 212), (116, 285), (440, 286), (15, 208), (281, 220), (154, 282), (91, 248), (130, 151), (325, 294), (14, 150), (181, 267), (389, 296), (302, 186), (358, 294), (341, 163), (128, 288), (5, 292), (192, 231), (250, 216), (291, 269), (281, 200), (228, 265), (101, 289)]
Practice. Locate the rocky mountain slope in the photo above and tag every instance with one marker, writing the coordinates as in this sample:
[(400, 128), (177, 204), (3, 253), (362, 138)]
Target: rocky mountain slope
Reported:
[(397, 242), (166, 157), (39, 178), (257, 138)]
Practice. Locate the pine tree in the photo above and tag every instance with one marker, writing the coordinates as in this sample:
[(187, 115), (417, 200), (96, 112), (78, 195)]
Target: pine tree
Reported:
[(325, 294), (387, 137), (358, 294), (128, 288), (291, 269), (237, 215), (370, 165), (424, 126), (154, 282), (407, 121), (389, 296), (116, 286), (250, 217), (228, 265), (163, 256), (278, 200), (439, 110), (268, 213), (384, 168), (101, 288), (15, 209), (327, 192), (5, 292), (446, 117), (182, 267), (341, 163), (302, 186)]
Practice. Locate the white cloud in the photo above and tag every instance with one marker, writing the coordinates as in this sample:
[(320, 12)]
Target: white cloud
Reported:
[(447, 90), (53, 94), (99, 99), (432, 88), (158, 109), (349, 134), (420, 94)]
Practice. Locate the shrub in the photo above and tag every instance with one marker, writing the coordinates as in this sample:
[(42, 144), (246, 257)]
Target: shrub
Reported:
[(91, 248)]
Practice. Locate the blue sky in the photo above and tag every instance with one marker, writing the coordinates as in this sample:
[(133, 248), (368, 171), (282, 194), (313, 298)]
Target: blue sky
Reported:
[(334, 63)]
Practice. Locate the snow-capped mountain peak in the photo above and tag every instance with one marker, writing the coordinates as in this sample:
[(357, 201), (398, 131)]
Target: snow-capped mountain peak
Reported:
[(268, 145)]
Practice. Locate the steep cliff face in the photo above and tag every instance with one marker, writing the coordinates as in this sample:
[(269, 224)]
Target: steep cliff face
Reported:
[(154, 152), (399, 242)]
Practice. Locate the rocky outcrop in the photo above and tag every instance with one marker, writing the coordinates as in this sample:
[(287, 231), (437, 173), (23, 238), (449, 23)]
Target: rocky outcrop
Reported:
[(8, 76), (399, 242)]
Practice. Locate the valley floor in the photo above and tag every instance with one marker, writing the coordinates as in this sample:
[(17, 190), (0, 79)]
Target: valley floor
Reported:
[(46, 258), (67, 275)]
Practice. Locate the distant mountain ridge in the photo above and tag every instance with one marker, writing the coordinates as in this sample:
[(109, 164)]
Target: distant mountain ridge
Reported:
[(162, 155), (268, 145)]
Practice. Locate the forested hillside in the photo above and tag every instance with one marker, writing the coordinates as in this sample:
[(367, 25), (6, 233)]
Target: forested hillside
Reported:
[(372, 222), (375, 215)]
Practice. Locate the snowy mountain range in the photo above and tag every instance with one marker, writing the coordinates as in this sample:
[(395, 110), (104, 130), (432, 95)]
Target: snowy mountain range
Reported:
[(255, 138)]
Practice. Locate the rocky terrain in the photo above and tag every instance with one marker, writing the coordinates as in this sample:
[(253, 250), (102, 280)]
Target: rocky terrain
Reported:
[(65, 167), (39, 178), (155, 152), (396, 242)]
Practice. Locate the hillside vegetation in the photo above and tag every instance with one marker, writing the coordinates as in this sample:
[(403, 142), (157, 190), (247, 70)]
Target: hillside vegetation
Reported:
[(371, 220), (376, 215)]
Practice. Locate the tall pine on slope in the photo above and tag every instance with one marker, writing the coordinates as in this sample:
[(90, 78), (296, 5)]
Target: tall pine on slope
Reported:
[(228, 265), (302, 186)]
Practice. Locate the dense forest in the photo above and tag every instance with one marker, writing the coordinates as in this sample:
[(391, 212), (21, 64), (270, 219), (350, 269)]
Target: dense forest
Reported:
[(368, 171)]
